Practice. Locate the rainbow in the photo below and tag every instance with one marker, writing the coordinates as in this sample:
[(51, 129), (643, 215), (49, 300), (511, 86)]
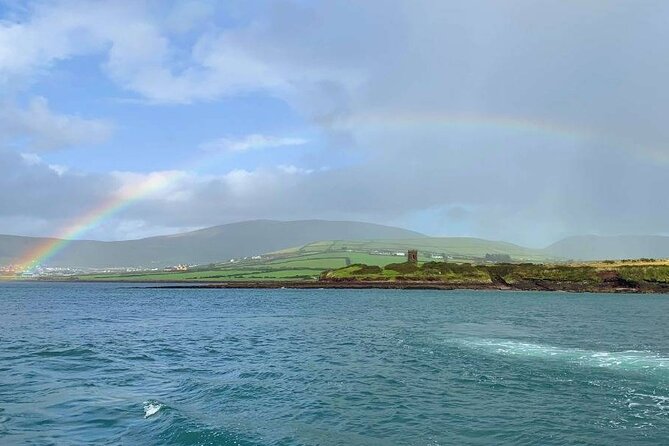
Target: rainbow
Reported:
[(464, 120), (518, 125), (129, 195), (125, 197)]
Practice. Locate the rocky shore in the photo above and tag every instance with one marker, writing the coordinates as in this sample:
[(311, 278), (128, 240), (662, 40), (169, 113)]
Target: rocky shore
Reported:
[(537, 285)]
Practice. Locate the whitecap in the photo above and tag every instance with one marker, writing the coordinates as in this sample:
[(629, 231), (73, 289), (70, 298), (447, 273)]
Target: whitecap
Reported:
[(151, 408), (629, 360)]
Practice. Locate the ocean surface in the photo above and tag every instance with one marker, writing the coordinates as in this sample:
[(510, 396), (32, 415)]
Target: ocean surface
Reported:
[(112, 364)]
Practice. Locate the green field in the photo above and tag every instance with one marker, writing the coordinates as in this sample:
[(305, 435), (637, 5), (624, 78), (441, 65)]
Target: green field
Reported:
[(460, 248), (652, 274), (309, 261)]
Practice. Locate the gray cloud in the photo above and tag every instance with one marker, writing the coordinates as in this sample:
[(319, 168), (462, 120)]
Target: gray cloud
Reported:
[(36, 128), (592, 72), (30, 189), (540, 119)]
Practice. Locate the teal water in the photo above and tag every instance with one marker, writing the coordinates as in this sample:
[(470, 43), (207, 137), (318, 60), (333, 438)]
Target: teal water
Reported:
[(112, 364)]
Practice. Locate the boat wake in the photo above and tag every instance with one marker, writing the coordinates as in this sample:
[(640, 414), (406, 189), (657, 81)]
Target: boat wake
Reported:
[(628, 361)]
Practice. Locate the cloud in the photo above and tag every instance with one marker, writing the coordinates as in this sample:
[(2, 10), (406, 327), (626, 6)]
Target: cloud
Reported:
[(33, 190), (159, 70), (32, 159), (581, 102), (40, 199), (37, 128), (581, 145), (217, 63), (294, 170), (499, 202), (251, 142)]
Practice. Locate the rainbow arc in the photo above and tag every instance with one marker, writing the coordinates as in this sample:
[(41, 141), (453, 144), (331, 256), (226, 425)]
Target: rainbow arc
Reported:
[(129, 195)]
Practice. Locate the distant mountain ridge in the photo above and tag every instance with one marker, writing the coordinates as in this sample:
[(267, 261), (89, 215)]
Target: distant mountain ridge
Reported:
[(255, 237), (596, 247), (214, 244)]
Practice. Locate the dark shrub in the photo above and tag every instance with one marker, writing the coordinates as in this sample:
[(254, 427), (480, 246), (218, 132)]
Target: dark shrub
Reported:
[(403, 268), (367, 269), (435, 267), (501, 269), (462, 268)]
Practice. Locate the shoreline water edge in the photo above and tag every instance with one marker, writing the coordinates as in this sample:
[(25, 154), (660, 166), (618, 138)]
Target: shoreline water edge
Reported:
[(416, 285)]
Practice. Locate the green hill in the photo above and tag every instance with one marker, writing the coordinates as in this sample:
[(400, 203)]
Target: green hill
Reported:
[(300, 244), (308, 261), (461, 248), (204, 246), (640, 276)]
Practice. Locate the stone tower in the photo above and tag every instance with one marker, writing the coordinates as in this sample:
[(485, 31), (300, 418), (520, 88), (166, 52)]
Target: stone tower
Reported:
[(412, 256)]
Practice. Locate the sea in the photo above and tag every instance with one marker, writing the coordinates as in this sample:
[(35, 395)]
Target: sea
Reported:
[(121, 364)]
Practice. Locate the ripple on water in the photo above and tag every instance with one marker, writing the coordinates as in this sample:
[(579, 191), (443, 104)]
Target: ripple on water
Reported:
[(103, 364), (64, 352)]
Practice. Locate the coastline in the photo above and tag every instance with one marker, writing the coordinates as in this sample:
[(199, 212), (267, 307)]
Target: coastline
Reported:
[(419, 285), (608, 287)]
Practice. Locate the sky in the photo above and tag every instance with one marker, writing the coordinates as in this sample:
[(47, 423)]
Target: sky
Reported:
[(525, 121)]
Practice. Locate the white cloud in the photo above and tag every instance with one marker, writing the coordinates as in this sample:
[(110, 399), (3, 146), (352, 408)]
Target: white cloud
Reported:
[(165, 185), (251, 142), (140, 55), (294, 170), (37, 128), (32, 159), (412, 61), (217, 63)]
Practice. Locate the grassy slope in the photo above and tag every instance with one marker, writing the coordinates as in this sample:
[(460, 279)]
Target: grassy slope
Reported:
[(203, 246), (586, 275), (308, 261), (458, 247)]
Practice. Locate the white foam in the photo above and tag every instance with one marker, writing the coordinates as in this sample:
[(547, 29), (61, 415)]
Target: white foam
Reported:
[(151, 408), (658, 398), (629, 360)]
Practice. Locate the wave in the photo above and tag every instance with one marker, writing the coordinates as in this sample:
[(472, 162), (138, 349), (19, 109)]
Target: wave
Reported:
[(151, 408), (64, 352), (628, 360)]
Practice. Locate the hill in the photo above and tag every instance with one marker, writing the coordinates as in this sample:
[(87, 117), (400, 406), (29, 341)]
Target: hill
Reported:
[(649, 276), (311, 246), (203, 246), (460, 248), (593, 247), (308, 261)]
